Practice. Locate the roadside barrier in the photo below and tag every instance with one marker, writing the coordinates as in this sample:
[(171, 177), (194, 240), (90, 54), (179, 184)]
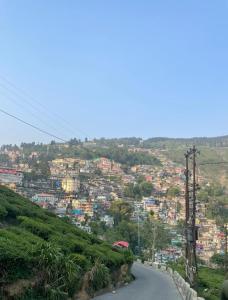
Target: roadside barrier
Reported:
[(184, 288)]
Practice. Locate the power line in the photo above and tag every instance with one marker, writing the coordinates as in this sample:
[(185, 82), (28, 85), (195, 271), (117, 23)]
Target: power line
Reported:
[(31, 113), (190, 218), (33, 103), (33, 126), (213, 163), (19, 92)]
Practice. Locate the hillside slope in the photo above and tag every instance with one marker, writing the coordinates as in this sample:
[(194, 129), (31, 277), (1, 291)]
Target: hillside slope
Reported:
[(213, 158), (212, 162), (45, 257)]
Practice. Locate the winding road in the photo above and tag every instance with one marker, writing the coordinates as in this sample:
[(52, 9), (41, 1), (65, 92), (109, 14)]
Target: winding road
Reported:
[(149, 284)]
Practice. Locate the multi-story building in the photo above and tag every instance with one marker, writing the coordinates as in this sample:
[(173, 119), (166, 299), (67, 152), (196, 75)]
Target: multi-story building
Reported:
[(83, 205), (70, 184), (44, 198), (9, 176), (108, 166), (151, 204)]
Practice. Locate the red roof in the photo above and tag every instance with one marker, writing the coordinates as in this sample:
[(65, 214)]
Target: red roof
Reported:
[(121, 244), (8, 171)]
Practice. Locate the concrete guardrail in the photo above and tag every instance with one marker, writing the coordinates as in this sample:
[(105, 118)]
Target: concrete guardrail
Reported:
[(184, 288)]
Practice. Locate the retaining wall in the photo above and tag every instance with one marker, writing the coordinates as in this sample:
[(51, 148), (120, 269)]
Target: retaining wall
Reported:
[(184, 288)]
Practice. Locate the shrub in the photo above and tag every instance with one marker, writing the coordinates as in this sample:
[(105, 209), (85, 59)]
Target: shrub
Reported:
[(210, 282), (16, 205), (60, 273), (3, 212), (10, 249), (93, 253), (99, 276), (36, 227), (80, 260), (44, 246), (218, 259), (69, 243), (128, 256), (21, 236), (15, 259)]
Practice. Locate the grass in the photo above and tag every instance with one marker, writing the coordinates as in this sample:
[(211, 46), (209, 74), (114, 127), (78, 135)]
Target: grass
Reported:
[(209, 280)]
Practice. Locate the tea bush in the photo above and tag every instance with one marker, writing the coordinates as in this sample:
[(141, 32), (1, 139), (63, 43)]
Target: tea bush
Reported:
[(38, 245)]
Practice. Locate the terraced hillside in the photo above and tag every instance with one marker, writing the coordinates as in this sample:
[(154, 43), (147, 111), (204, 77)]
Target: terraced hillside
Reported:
[(45, 257)]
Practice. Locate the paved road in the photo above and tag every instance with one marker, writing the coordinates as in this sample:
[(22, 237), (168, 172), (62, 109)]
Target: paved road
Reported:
[(149, 285)]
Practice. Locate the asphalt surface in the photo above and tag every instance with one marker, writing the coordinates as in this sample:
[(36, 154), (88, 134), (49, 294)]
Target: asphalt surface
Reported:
[(148, 285)]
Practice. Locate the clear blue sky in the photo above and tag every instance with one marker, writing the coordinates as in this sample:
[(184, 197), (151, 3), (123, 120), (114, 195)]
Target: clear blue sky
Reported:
[(114, 68)]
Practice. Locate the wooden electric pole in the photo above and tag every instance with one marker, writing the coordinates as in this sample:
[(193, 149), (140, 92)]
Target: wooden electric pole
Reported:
[(226, 254), (186, 206), (190, 218)]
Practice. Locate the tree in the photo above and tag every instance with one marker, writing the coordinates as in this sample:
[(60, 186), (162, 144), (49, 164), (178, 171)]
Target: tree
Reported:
[(218, 259), (129, 191), (178, 207), (123, 156), (120, 210), (98, 172), (126, 231), (215, 190), (98, 228), (173, 192), (146, 188), (155, 236), (180, 226), (86, 218), (203, 196), (140, 179), (4, 158), (74, 142), (138, 190)]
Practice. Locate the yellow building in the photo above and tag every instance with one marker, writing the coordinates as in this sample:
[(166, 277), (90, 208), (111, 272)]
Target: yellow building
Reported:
[(70, 184)]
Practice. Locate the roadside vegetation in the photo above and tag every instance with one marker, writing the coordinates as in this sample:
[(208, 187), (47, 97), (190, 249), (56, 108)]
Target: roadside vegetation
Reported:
[(209, 280), (46, 257), (149, 234)]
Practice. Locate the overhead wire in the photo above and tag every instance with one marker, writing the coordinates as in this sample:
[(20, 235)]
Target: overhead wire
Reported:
[(26, 107), (33, 126), (37, 105), (213, 163)]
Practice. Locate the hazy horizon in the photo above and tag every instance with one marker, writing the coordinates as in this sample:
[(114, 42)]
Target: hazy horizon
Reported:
[(123, 137)]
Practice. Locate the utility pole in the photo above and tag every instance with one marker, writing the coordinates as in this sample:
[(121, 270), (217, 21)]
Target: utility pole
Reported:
[(186, 203), (139, 246), (226, 254), (154, 241), (190, 218), (194, 229)]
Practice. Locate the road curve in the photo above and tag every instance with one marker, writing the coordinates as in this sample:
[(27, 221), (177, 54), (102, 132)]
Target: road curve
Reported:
[(148, 285)]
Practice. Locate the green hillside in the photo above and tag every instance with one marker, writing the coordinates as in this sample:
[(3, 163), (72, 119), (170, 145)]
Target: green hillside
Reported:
[(219, 141), (45, 257), (213, 152), (212, 161)]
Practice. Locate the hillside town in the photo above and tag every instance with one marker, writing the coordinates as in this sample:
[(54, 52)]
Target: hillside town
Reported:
[(84, 189)]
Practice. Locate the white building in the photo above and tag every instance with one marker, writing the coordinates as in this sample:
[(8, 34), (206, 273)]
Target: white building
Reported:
[(8, 176), (44, 198)]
